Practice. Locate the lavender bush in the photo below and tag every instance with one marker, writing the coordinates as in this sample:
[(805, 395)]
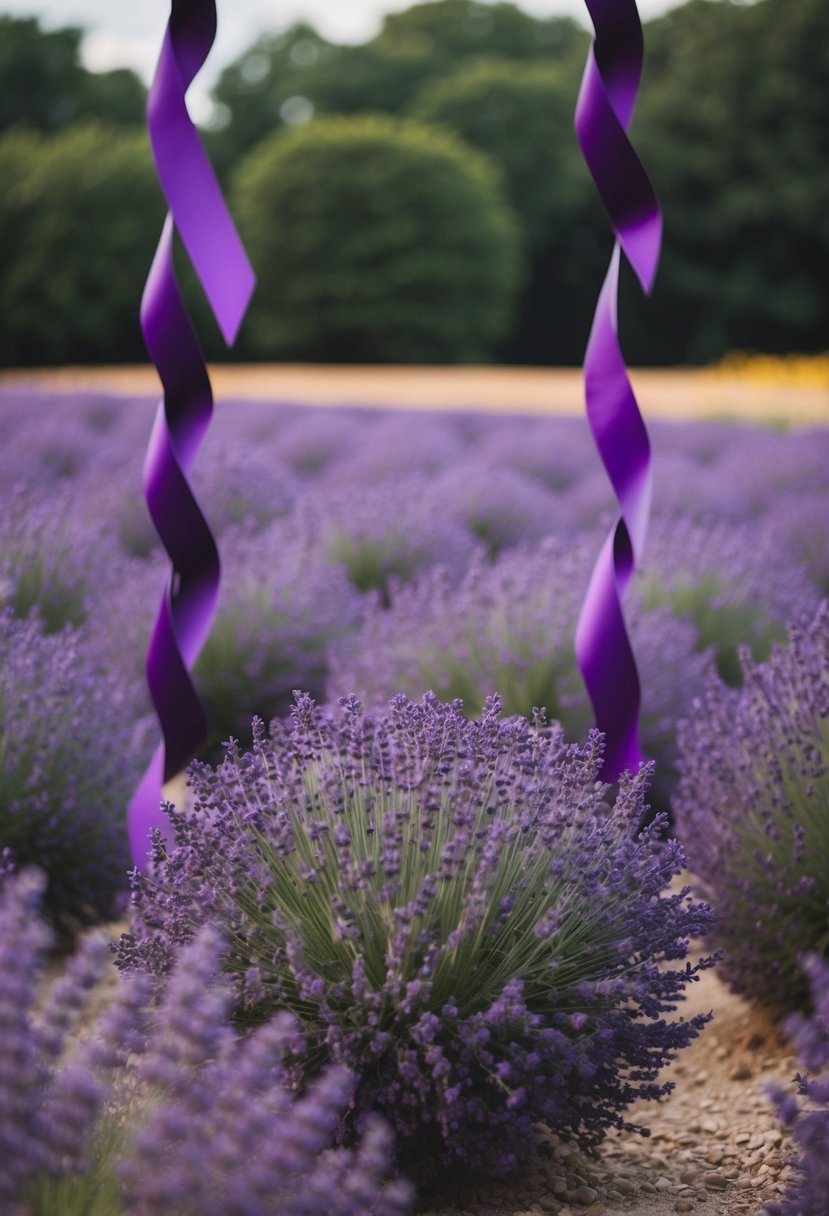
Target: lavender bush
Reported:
[(499, 506), (452, 911), (48, 566), (809, 1122), (731, 581), (506, 628), (282, 604), (384, 531), (753, 810), (164, 1109), (509, 628), (69, 757)]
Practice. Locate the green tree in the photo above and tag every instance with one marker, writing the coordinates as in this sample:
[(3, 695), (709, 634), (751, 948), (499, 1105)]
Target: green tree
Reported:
[(80, 213), (524, 122), (732, 127), (452, 31), (43, 85), (375, 240), (284, 79)]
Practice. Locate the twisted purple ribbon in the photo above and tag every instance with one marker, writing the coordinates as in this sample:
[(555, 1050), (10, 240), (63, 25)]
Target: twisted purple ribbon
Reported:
[(198, 212), (603, 113)]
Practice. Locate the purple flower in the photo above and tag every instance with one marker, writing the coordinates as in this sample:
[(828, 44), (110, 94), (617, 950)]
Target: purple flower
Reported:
[(161, 1105), (752, 808), (379, 532), (410, 954), (282, 604), (67, 768), (809, 1122), (730, 580)]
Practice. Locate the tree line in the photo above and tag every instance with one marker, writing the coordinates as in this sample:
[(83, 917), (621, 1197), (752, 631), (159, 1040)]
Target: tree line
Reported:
[(421, 197)]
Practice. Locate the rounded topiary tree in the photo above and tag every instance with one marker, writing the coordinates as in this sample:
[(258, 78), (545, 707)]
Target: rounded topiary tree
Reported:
[(523, 121), (376, 240)]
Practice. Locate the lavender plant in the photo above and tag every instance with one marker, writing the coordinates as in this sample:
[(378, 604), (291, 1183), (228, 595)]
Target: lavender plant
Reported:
[(47, 565), (159, 1106), (506, 628), (730, 581), (282, 605), (753, 810), (499, 506), (68, 761), (452, 911), (808, 1122), (509, 628), (389, 530)]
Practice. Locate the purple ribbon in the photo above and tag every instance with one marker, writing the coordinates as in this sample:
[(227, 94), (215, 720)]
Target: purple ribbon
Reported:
[(198, 213), (603, 113)]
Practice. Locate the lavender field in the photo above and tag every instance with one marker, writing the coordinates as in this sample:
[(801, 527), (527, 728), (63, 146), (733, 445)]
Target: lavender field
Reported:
[(398, 934)]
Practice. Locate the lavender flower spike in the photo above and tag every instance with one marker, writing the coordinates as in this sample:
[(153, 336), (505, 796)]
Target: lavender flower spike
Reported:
[(809, 1122)]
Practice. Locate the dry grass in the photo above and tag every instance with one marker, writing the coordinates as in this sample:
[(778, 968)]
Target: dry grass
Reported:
[(728, 391)]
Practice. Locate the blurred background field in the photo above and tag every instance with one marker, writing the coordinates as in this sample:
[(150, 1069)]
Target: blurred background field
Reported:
[(419, 198)]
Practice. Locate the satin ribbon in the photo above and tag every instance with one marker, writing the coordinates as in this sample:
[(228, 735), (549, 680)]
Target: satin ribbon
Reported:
[(603, 113), (198, 213)]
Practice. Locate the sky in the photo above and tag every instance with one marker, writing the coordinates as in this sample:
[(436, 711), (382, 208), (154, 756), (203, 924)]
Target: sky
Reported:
[(128, 34)]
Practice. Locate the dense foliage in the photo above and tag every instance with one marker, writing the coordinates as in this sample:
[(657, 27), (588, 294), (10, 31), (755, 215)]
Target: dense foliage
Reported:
[(753, 808), (76, 244), (376, 241), (45, 87), (158, 1106), (730, 124), (451, 909)]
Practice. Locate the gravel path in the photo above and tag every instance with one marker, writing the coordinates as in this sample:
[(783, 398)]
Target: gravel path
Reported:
[(715, 1147)]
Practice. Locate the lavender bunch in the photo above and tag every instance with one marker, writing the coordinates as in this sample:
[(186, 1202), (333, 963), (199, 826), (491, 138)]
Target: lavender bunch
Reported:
[(730, 582), (160, 1106), (509, 628), (452, 911), (244, 486), (68, 763), (388, 446), (506, 628), (499, 506), (753, 810), (282, 604), (809, 1122), (312, 441), (48, 567), (556, 452), (387, 531)]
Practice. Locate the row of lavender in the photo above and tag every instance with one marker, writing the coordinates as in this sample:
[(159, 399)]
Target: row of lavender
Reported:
[(413, 881)]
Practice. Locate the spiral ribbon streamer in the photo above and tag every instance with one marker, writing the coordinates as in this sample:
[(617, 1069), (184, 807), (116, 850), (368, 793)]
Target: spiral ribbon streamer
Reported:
[(603, 113), (198, 213)]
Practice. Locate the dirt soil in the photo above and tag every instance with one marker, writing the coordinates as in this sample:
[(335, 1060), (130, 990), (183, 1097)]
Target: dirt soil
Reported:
[(715, 1148), (677, 393)]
